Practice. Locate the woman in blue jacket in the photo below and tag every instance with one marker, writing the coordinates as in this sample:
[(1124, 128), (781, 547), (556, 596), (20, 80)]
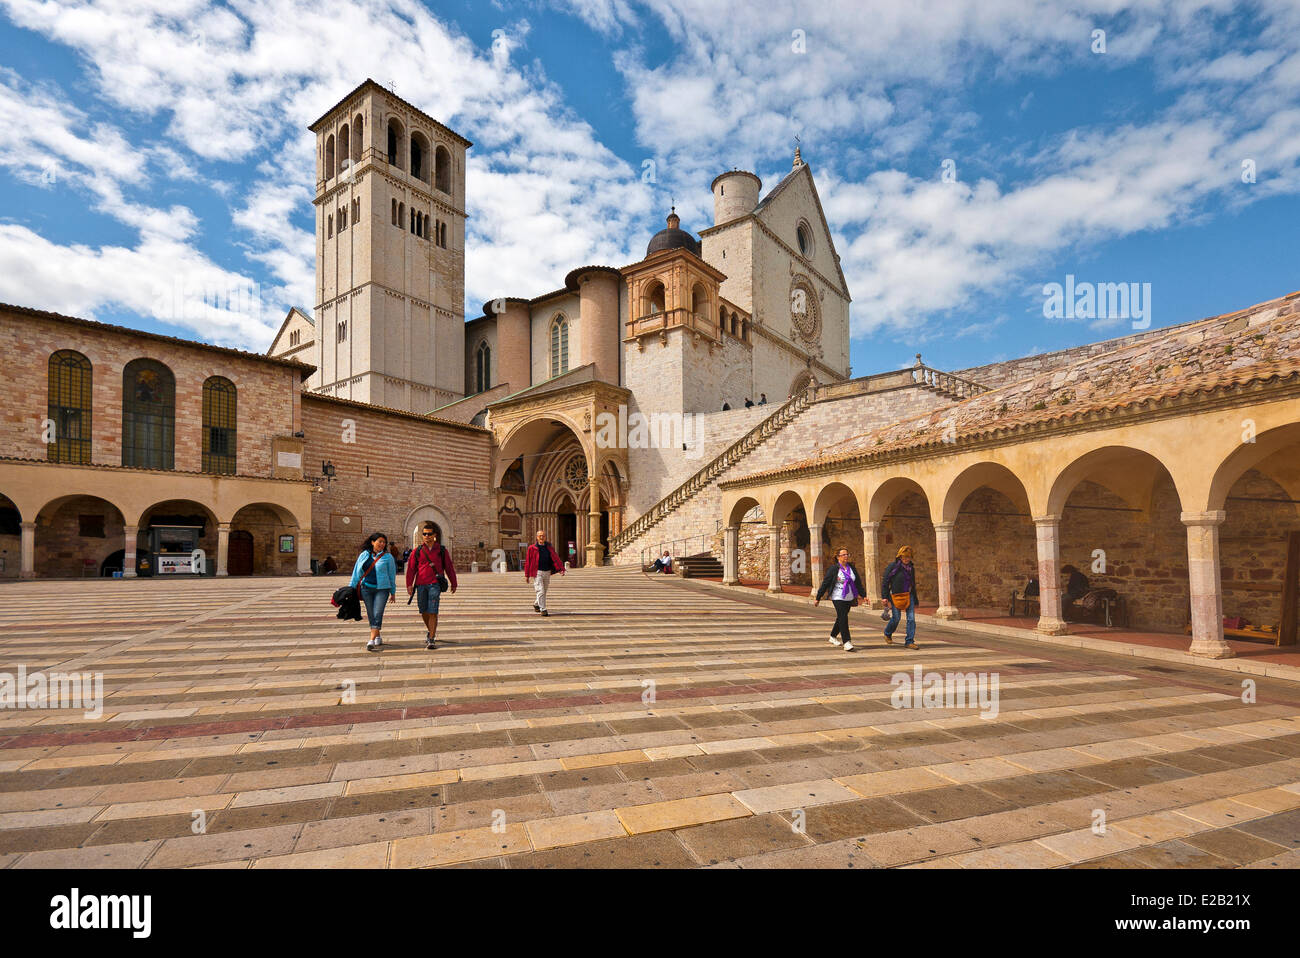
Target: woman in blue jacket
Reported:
[(375, 574)]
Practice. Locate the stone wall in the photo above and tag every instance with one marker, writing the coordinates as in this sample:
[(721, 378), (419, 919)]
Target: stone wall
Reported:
[(450, 464), (817, 425), (993, 375), (267, 392)]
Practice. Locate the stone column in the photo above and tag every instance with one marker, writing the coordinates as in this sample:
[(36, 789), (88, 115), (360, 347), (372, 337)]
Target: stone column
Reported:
[(1206, 583), (871, 571), (774, 559), (943, 539), (595, 551), (731, 556), (815, 556), (223, 548), (303, 543), (130, 534), (1048, 530), (27, 560)]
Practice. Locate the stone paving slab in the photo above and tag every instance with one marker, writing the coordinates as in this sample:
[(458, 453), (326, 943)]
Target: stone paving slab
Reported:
[(525, 742)]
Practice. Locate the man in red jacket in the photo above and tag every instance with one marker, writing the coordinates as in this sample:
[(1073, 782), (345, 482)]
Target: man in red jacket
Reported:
[(541, 561), (427, 563)]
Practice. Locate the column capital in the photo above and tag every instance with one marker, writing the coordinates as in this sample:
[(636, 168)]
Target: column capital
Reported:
[(774, 530), (31, 524), (1050, 520), (870, 526), (1215, 517), (223, 526), (944, 527)]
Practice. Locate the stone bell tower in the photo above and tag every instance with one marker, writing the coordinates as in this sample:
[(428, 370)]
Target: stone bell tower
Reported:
[(390, 253)]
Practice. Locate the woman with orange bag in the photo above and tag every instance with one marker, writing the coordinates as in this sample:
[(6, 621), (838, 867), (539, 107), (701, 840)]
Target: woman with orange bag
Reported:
[(898, 589)]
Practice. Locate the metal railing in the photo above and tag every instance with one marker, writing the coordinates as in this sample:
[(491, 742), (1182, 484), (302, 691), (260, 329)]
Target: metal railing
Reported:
[(681, 548), (715, 467)]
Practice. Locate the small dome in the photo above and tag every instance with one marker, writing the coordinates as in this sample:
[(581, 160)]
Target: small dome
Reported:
[(673, 237)]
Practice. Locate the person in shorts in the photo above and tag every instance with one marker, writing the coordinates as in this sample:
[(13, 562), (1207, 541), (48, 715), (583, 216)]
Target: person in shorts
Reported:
[(428, 563)]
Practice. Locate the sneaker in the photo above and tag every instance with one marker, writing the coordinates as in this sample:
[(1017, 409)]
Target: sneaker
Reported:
[(910, 645), (536, 607), (545, 612), (835, 641), (429, 643), (372, 646), (848, 646), (889, 640)]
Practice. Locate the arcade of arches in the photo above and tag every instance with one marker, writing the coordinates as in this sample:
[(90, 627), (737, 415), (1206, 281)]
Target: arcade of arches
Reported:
[(1184, 533), (93, 522)]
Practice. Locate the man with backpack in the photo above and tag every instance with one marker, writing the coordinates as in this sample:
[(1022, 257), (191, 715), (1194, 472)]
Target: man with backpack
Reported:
[(429, 573), (540, 562)]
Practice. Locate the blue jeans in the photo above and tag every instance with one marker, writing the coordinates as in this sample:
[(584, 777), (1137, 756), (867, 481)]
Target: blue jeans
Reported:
[(374, 601), (911, 622)]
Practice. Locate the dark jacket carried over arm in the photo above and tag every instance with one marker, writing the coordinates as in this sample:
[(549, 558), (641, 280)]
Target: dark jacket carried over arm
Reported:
[(893, 580), (828, 581)]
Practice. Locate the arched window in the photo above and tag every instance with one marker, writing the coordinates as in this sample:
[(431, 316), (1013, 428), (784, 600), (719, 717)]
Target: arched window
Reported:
[(342, 332), (329, 156), (356, 210), (419, 157), (219, 422), (329, 226), (343, 218), (394, 212), (357, 127), (744, 330), (442, 176), (442, 235), (148, 415), (483, 367), (294, 336), (699, 300), (345, 148), (735, 325), (68, 395), (559, 346), (395, 143), (722, 318), (654, 300), (401, 215)]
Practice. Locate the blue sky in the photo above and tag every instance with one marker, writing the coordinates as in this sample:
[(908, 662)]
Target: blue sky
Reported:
[(158, 170)]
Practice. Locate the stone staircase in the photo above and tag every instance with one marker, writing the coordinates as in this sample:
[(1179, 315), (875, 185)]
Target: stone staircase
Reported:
[(704, 565), (689, 517), (720, 463)]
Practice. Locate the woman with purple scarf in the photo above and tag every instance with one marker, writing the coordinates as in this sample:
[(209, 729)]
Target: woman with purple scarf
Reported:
[(845, 587)]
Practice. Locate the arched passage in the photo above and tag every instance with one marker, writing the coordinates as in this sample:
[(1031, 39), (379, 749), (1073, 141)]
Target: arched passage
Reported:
[(76, 535), (899, 515), (169, 532), (745, 543), (265, 539), (1257, 491), (987, 521), (836, 524), (791, 542)]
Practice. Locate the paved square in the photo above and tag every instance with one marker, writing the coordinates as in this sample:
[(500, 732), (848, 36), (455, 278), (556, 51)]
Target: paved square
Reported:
[(244, 726)]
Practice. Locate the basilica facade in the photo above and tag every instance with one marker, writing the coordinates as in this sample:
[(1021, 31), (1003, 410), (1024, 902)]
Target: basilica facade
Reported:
[(755, 308)]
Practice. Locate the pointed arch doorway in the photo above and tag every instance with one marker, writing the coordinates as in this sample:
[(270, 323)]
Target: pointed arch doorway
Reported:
[(430, 514)]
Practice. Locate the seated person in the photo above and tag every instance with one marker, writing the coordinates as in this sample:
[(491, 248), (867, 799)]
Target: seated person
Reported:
[(663, 564), (330, 566), (1076, 587)]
